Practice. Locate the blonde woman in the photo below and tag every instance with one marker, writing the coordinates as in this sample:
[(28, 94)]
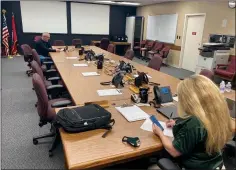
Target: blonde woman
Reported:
[(204, 128)]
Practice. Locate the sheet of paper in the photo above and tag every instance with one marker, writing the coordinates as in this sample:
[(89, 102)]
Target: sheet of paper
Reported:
[(175, 98), (71, 58), (80, 65), (147, 125), (132, 113), (147, 76), (86, 74), (109, 92)]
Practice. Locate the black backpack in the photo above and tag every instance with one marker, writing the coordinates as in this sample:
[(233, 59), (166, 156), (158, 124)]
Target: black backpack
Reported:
[(85, 118)]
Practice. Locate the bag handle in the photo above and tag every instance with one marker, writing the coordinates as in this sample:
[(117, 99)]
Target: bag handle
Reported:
[(112, 122)]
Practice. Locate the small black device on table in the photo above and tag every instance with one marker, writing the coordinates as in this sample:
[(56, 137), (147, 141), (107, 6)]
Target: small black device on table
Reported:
[(133, 141)]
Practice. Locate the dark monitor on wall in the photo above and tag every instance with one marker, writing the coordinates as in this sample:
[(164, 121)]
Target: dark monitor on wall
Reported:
[(219, 38)]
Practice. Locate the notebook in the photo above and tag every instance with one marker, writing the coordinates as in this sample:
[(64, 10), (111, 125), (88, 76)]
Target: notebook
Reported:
[(169, 111), (71, 58), (133, 113), (109, 92), (147, 125), (80, 65), (86, 74)]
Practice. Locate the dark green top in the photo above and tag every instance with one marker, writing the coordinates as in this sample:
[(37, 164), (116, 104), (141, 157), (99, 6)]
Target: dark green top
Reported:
[(189, 139)]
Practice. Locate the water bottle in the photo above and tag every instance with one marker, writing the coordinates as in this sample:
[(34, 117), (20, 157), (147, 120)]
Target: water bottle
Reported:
[(222, 87), (228, 87)]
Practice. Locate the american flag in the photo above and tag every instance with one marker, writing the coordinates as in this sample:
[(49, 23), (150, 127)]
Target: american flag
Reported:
[(5, 35)]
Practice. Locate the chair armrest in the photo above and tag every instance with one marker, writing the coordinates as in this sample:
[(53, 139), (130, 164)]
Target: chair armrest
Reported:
[(62, 103), (48, 62), (55, 91), (167, 164), (54, 80), (221, 65), (50, 73), (58, 86)]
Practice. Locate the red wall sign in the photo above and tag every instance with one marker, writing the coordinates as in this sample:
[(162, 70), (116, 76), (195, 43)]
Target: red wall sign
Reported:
[(194, 33)]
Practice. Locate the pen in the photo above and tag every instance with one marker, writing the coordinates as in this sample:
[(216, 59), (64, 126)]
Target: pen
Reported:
[(171, 115), (118, 90)]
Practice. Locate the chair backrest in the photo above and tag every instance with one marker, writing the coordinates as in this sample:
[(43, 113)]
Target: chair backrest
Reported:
[(40, 90), (104, 43), (111, 48), (36, 56), (37, 38), (59, 43), (27, 50), (165, 51), (158, 46), (150, 44), (129, 54), (37, 69), (207, 73), (155, 63), (232, 65), (76, 41)]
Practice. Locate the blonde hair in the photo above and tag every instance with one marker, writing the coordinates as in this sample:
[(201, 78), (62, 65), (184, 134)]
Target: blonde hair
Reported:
[(200, 97)]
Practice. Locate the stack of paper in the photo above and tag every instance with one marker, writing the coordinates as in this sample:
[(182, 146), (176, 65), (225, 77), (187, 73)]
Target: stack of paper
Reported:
[(147, 76), (86, 74), (109, 92), (80, 65), (147, 125), (132, 113), (71, 58), (176, 98)]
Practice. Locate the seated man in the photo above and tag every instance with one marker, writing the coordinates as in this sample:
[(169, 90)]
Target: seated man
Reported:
[(43, 47)]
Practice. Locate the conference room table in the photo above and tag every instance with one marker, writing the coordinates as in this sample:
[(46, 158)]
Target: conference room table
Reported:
[(89, 149)]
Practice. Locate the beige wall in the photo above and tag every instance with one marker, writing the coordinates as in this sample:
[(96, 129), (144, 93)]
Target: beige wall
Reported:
[(215, 13)]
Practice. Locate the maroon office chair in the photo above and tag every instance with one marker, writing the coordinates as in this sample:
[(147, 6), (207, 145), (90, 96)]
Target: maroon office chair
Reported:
[(76, 41), (104, 43), (129, 54), (46, 111), (226, 71), (47, 62), (59, 43), (155, 63), (49, 79), (138, 46), (148, 46), (111, 48), (207, 73), (28, 57), (156, 48), (37, 38), (164, 54)]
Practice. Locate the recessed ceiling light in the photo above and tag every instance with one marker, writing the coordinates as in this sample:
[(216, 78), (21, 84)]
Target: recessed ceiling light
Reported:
[(106, 2), (129, 3)]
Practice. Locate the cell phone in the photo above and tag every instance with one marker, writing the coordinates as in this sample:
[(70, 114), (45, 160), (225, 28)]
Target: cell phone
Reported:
[(155, 121)]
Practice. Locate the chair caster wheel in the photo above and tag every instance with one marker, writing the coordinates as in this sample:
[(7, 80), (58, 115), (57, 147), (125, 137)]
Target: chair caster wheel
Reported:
[(36, 105), (35, 141), (50, 154)]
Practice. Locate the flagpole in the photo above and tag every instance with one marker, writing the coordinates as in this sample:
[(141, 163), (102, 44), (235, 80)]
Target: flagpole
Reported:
[(6, 42)]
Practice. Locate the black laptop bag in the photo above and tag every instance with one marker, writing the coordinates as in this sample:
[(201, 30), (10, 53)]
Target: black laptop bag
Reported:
[(85, 118)]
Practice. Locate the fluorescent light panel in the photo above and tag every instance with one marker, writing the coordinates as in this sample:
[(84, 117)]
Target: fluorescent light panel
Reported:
[(121, 3)]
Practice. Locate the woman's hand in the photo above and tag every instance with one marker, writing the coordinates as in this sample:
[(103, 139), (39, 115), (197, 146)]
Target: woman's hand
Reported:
[(170, 123), (156, 130)]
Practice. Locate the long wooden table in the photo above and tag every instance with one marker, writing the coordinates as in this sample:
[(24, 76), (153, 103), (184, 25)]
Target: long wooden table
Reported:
[(89, 149)]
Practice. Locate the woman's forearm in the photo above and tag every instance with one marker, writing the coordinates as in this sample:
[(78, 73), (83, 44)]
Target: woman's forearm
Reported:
[(169, 146)]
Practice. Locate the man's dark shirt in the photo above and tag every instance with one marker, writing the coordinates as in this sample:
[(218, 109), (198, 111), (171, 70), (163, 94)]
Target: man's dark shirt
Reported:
[(43, 48)]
